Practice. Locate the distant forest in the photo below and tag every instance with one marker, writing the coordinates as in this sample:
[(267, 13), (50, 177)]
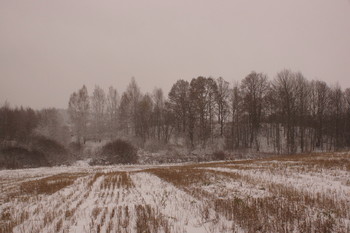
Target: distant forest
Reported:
[(288, 115)]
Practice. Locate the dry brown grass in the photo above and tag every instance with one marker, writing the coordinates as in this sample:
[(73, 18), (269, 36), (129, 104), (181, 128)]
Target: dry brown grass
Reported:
[(149, 220), (59, 225), (321, 160), (48, 185), (8, 221), (287, 209), (94, 178), (28, 192), (117, 180)]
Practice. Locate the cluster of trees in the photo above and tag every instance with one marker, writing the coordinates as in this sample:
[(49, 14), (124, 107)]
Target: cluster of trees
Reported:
[(21, 124), (17, 123), (109, 116), (288, 114), (30, 138), (53, 125)]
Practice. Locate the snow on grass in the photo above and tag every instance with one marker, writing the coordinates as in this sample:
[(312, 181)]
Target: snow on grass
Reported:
[(332, 184), (183, 212), (224, 187), (288, 194)]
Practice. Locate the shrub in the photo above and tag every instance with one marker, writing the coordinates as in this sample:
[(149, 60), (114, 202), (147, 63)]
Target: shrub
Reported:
[(55, 153), (219, 155), (47, 145), (21, 157), (120, 151), (75, 147)]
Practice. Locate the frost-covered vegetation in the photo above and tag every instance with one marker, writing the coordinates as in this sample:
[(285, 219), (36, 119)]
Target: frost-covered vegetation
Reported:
[(206, 118), (301, 193)]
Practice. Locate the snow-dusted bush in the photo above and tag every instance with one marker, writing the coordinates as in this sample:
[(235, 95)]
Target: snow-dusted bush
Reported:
[(219, 155), (120, 151), (54, 152), (21, 157), (75, 147)]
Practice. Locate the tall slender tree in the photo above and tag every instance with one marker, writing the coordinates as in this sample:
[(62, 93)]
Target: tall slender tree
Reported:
[(302, 105), (112, 111), (134, 96), (236, 115), (98, 102), (158, 112), (254, 89), (222, 100), (284, 87), (319, 102), (179, 104), (78, 108)]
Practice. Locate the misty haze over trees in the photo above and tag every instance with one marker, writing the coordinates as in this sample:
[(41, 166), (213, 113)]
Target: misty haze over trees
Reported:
[(285, 115), (288, 114)]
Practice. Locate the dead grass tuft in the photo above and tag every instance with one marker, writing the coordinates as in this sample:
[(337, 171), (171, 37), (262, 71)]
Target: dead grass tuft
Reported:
[(148, 220), (117, 180), (8, 221)]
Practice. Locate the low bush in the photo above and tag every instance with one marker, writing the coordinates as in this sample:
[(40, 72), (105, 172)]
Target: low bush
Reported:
[(120, 152), (47, 145), (219, 155), (21, 157), (75, 147), (54, 152)]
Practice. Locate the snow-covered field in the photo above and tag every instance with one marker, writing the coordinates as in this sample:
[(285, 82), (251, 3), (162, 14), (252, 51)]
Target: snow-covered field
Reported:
[(305, 193)]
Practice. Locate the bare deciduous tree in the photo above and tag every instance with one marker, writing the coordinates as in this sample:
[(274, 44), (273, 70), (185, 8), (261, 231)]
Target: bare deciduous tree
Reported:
[(236, 110), (202, 104), (303, 103), (222, 99), (179, 104), (254, 88), (112, 110), (134, 96), (285, 86), (98, 102), (78, 108), (319, 103), (158, 112), (51, 125)]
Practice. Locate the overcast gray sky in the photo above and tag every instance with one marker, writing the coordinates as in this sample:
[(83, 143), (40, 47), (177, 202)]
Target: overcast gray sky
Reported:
[(48, 49)]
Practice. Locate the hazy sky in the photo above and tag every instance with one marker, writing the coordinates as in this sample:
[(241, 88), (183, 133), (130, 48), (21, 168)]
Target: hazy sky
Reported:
[(48, 49)]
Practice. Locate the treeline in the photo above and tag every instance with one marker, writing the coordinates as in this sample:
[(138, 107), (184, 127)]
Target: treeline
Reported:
[(21, 124), (288, 114), (30, 138), (17, 123)]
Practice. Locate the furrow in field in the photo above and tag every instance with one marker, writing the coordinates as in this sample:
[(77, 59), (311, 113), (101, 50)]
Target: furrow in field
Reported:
[(183, 212), (282, 209), (315, 184), (312, 209), (40, 211)]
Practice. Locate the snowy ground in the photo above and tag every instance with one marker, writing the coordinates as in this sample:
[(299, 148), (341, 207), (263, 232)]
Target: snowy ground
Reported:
[(307, 193)]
